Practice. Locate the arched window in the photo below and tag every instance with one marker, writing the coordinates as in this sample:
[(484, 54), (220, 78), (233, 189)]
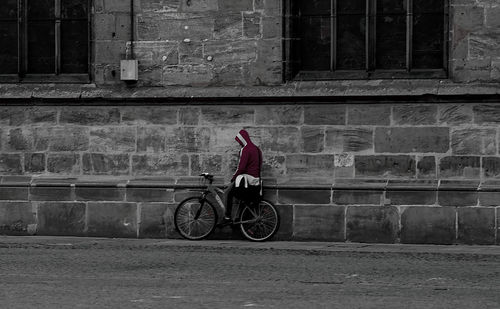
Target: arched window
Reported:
[(357, 39)]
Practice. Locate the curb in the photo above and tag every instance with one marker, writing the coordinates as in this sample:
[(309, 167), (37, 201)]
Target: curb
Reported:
[(320, 248)]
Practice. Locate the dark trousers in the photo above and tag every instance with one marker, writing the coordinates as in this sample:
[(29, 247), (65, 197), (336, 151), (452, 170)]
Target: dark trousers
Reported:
[(228, 199)]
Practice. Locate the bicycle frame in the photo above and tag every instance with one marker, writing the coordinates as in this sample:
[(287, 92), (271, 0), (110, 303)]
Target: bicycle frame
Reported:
[(217, 192)]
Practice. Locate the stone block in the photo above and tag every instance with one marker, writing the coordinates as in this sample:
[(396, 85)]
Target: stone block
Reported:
[(491, 167), (153, 223), (278, 139), (189, 115), (228, 26), (34, 162), (348, 139), (147, 30), (316, 166), (459, 167), (324, 115), (61, 219), (63, 163), (226, 52), (412, 139), (369, 115), (428, 225), (312, 139), (227, 115), (489, 198), (457, 198), (95, 193), (69, 139), (426, 197), (492, 19), (273, 166), (10, 164), (16, 218), (106, 26), (474, 141), (112, 139), (320, 223), (112, 220), (19, 139), (187, 75), (109, 52), (149, 195), (178, 28), (372, 224), (151, 139), (163, 164), (384, 166), (206, 164), (90, 116), (156, 115), (484, 44), (357, 197), (152, 54), (281, 115), (252, 24), (294, 197), (426, 167), (12, 116), (191, 52), (415, 114), (105, 164), (14, 193), (187, 139), (476, 225), (198, 6), (51, 194), (228, 75), (468, 18), (486, 114), (168, 221), (285, 231), (271, 27), (452, 114), (235, 6)]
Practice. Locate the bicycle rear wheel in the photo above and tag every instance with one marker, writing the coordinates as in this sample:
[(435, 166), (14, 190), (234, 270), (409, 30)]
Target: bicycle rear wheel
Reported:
[(259, 222), (195, 218)]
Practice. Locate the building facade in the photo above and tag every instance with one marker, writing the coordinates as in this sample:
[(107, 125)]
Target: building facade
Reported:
[(378, 119)]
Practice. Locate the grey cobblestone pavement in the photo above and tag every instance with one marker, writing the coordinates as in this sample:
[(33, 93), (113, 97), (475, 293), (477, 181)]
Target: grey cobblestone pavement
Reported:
[(71, 272)]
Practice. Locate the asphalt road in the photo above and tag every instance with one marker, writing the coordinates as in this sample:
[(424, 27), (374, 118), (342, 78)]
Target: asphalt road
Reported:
[(101, 274)]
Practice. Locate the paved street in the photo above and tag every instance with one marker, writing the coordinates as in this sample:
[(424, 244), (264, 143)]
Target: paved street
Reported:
[(65, 272)]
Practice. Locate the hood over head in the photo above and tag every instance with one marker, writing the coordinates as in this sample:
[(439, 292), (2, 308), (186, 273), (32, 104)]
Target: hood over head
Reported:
[(243, 138)]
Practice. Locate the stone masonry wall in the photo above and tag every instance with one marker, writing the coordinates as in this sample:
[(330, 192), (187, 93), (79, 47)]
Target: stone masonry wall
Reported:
[(238, 42), (412, 173), (475, 52), (191, 42)]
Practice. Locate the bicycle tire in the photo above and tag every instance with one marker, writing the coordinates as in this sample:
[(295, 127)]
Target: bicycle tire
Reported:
[(193, 228), (265, 225)]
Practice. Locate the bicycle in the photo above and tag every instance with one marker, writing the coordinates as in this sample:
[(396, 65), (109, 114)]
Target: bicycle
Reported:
[(196, 217)]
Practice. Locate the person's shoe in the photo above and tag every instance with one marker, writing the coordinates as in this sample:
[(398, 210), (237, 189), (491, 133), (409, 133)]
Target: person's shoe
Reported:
[(226, 221)]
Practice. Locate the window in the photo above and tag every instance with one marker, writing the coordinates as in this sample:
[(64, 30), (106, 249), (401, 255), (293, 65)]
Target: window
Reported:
[(358, 39), (44, 40)]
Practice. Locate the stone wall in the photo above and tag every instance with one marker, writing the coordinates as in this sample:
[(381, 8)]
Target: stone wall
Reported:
[(191, 42), (412, 173), (238, 42)]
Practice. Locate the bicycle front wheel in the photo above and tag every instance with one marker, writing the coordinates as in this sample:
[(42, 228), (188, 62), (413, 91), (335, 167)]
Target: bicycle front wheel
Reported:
[(195, 218), (259, 222)]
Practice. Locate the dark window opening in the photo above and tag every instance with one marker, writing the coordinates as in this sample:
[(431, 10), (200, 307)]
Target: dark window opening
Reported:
[(44, 40), (361, 39)]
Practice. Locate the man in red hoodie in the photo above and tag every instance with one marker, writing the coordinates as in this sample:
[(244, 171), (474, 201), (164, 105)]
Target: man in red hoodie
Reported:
[(249, 166)]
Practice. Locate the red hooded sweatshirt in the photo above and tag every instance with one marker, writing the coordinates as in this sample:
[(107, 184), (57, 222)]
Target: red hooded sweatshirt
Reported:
[(250, 156)]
